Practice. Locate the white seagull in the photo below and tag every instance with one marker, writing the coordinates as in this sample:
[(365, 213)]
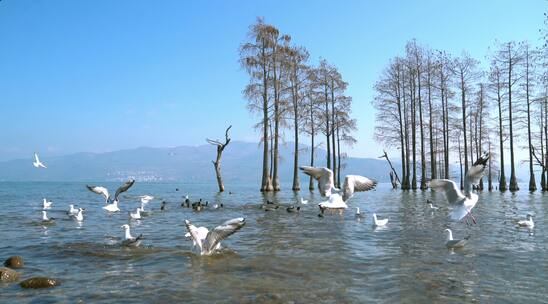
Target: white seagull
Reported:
[(37, 163), (326, 185), (113, 207), (136, 215), (335, 201), (72, 210), (528, 222), (451, 243), (104, 191), (207, 242), (80, 215), (130, 240), (145, 199), (46, 204), (358, 213), (46, 219), (463, 202), (379, 223), (303, 201)]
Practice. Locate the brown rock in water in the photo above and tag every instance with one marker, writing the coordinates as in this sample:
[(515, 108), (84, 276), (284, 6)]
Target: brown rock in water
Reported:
[(40, 282), (8, 275), (14, 262)]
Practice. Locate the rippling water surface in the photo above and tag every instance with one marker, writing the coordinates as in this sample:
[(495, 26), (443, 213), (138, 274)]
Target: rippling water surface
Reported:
[(278, 257)]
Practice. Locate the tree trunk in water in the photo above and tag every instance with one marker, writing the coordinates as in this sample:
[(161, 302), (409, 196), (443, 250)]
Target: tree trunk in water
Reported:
[(433, 173), (513, 179), (217, 165), (502, 179), (266, 184), (327, 128), (296, 182), (423, 154), (335, 178), (463, 101), (414, 134), (338, 159), (311, 182), (532, 182), (460, 164)]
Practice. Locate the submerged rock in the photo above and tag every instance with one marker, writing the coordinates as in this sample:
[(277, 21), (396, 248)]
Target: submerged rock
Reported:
[(8, 275), (14, 262), (40, 282)]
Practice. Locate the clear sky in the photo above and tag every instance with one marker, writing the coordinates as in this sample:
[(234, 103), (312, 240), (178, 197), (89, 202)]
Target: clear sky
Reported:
[(106, 75)]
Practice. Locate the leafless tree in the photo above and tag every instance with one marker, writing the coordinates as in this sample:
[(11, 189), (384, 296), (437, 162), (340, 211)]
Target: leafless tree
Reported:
[(217, 162)]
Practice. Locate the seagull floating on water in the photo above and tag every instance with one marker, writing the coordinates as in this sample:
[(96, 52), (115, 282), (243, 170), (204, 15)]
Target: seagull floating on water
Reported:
[(293, 209), (136, 215), (528, 222), (451, 243), (72, 210), (218, 206), (463, 202), (145, 199), (335, 201), (80, 215), (130, 240), (379, 223), (208, 242), (37, 163), (46, 219), (358, 213), (46, 204), (303, 201)]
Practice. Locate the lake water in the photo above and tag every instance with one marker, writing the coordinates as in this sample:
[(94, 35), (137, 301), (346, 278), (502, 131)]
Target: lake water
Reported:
[(278, 257)]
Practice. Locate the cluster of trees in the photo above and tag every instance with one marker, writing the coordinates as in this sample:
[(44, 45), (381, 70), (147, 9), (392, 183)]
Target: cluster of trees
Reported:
[(289, 93), (438, 109)]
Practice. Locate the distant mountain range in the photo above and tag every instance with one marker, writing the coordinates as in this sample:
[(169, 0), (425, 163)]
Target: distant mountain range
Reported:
[(241, 162)]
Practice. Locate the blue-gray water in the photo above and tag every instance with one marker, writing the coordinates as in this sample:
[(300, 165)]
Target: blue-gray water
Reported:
[(277, 257)]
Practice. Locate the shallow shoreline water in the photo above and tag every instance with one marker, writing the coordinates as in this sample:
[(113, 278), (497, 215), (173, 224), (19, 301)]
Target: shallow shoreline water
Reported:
[(278, 257)]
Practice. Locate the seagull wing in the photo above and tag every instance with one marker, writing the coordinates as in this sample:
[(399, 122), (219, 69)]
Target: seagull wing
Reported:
[(324, 176), (99, 190), (356, 183), (475, 173), (449, 188), (194, 234), (222, 232), (36, 159), (123, 188)]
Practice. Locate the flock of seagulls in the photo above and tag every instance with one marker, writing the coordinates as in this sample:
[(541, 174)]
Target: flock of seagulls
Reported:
[(207, 242)]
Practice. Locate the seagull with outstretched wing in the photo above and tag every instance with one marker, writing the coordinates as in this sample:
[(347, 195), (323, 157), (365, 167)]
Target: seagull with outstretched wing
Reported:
[(37, 163), (208, 242), (463, 201)]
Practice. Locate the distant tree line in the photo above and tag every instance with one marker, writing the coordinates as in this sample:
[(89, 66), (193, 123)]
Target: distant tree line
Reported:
[(438, 109), (287, 92)]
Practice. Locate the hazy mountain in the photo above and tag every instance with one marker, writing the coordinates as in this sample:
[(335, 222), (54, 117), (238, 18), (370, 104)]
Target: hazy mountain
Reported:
[(241, 163)]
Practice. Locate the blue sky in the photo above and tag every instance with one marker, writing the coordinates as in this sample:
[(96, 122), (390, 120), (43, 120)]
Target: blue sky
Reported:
[(106, 75)]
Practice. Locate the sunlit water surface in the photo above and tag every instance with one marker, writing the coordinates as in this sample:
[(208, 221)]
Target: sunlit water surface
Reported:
[(278, 257)]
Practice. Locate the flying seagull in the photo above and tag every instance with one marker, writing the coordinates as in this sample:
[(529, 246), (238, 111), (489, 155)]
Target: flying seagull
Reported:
[(210, 241), (37, 163), (463, 202), (326, 185), (130, 240)]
